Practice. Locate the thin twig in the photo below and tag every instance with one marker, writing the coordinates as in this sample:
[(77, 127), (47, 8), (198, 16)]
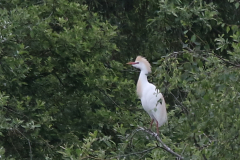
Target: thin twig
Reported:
[(179, 103), (109, 98), (225, 61), (60, 81), (9, 109), (91, 157), (29, 143), (184, 149), (15, 148)]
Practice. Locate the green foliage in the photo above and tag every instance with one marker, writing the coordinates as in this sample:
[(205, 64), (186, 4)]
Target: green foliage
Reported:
[(90, 149), (58, 77), (205, 103), (66, 94)]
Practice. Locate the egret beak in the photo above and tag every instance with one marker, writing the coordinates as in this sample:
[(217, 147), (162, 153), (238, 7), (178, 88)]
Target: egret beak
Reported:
[(132, 63)]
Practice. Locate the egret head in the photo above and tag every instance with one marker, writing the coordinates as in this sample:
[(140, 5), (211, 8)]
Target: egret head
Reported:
[(142, 64)]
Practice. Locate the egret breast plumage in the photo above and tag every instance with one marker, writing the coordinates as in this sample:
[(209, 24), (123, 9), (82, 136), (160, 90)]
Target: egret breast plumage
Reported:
[(152, 100)]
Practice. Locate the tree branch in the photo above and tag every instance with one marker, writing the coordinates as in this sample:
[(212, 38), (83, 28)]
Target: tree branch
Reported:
[(59, 79), (164, 146), (226, 61), (135, 153), (29, 143), (185, 108), (109, 97)]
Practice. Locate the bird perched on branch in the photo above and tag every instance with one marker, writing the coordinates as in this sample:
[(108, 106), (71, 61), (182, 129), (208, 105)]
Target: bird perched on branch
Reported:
[(152, 100)]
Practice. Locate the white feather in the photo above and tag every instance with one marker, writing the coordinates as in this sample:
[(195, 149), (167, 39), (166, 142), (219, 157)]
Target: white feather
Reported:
[(152, 100)]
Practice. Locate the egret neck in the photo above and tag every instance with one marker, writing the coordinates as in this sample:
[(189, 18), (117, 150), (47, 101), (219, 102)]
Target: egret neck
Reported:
[(142, 81)]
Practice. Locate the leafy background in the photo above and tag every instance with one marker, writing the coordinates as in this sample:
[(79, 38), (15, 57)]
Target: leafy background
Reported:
[(66, 93)]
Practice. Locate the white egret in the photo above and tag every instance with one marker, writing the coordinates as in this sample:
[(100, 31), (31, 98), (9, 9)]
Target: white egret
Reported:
[(152, 100)]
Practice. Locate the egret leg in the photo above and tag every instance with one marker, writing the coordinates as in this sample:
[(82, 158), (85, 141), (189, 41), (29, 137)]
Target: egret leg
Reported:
[(157, 128), (151, 124)]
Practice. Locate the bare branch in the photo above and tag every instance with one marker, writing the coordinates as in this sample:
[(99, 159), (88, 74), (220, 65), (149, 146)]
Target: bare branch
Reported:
[(59, 79), (144, 152), (15, 148), (185, 108), (164, 146), (109, 97), (226, 61), (29, 143), (184, 149), (136, 153)]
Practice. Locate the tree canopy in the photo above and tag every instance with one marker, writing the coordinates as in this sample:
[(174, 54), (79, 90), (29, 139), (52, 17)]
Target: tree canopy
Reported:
[(66, 93)]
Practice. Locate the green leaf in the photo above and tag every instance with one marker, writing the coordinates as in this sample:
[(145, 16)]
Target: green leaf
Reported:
[(228, 29), (237, 5), (193, 38)]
